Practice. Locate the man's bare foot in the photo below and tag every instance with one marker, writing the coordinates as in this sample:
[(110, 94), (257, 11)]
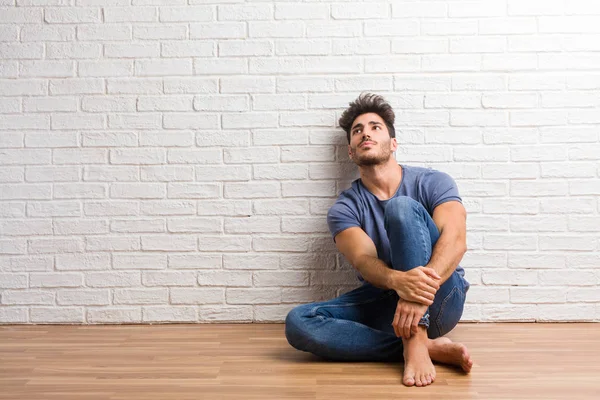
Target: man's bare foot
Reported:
[(418, 368), (445, 351)]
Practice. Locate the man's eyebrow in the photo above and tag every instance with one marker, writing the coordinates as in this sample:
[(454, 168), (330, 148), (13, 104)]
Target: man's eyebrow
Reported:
[(356, 126), (361, 125)]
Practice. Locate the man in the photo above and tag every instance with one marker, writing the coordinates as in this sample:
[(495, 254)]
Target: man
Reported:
[(403, 228)]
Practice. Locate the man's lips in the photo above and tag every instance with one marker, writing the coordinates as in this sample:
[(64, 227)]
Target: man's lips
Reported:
[(366, 143)]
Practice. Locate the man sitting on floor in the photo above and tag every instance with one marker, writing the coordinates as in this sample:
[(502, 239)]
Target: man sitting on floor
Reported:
[(403, 228)]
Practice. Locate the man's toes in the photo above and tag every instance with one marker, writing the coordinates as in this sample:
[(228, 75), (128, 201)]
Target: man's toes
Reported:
[(409, 378), (469, 365)]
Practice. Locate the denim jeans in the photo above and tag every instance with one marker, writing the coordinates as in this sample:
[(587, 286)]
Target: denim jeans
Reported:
[(357, 326)]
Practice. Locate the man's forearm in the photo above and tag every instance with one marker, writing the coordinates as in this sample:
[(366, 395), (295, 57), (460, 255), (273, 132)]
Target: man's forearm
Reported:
[(376, 272), (447, 253)]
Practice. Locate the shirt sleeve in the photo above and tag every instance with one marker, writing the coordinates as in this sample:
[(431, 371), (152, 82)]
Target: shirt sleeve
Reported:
[(341, 216), (439, 187)]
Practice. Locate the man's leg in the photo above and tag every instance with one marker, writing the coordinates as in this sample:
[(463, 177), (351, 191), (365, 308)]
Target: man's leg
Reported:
[(357, 325), (413, 234), (341, 329)]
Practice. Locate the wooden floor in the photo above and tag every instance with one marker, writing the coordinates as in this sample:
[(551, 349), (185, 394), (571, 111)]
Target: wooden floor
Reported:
[(254, 361)]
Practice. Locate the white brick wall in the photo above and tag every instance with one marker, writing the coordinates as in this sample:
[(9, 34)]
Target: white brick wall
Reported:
[(163, 162)]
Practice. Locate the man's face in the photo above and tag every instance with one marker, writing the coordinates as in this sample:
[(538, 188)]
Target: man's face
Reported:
[(370, 142)]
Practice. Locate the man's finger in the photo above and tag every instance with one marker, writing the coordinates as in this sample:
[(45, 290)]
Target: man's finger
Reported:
[(431, 283), (431, 272), (406, 325), (395, 323), (401, 325), (425, 301), (415, 324), (428, 291)]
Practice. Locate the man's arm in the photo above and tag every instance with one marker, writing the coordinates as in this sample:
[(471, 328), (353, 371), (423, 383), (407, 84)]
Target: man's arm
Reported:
[(418, 284), (360, 251), (451, 220)]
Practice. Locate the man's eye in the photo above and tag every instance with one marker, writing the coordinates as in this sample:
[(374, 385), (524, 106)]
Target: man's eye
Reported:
[(377, 127)]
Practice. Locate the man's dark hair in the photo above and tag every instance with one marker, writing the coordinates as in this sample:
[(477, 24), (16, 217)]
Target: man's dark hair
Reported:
[(368, 103)]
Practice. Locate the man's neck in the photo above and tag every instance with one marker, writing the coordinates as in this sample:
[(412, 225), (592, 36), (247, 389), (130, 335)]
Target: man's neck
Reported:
[(382, 180)]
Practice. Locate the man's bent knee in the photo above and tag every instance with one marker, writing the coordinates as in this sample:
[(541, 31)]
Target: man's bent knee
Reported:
[(295, 331), (400, 209)]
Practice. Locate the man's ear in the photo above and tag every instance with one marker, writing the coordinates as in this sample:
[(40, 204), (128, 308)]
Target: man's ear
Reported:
[(350, 151), (393, 144)]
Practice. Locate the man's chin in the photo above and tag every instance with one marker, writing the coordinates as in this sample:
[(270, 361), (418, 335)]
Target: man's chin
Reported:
[(370, 161)]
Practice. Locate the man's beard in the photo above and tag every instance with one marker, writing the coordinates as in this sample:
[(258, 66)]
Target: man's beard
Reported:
[(374, 157)]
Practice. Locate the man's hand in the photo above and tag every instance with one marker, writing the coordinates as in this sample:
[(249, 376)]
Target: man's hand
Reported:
[(407, 317), (418, 285)]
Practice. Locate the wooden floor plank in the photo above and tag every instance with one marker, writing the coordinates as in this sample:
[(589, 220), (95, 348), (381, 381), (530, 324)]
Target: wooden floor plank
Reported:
[(254, 361)]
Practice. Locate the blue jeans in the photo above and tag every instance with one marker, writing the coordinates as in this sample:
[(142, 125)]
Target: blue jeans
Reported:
[(357, 326)]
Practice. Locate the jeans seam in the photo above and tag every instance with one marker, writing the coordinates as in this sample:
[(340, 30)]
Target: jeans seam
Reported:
[(443, 307), (382, 296), (419, 218), (427, 255)]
